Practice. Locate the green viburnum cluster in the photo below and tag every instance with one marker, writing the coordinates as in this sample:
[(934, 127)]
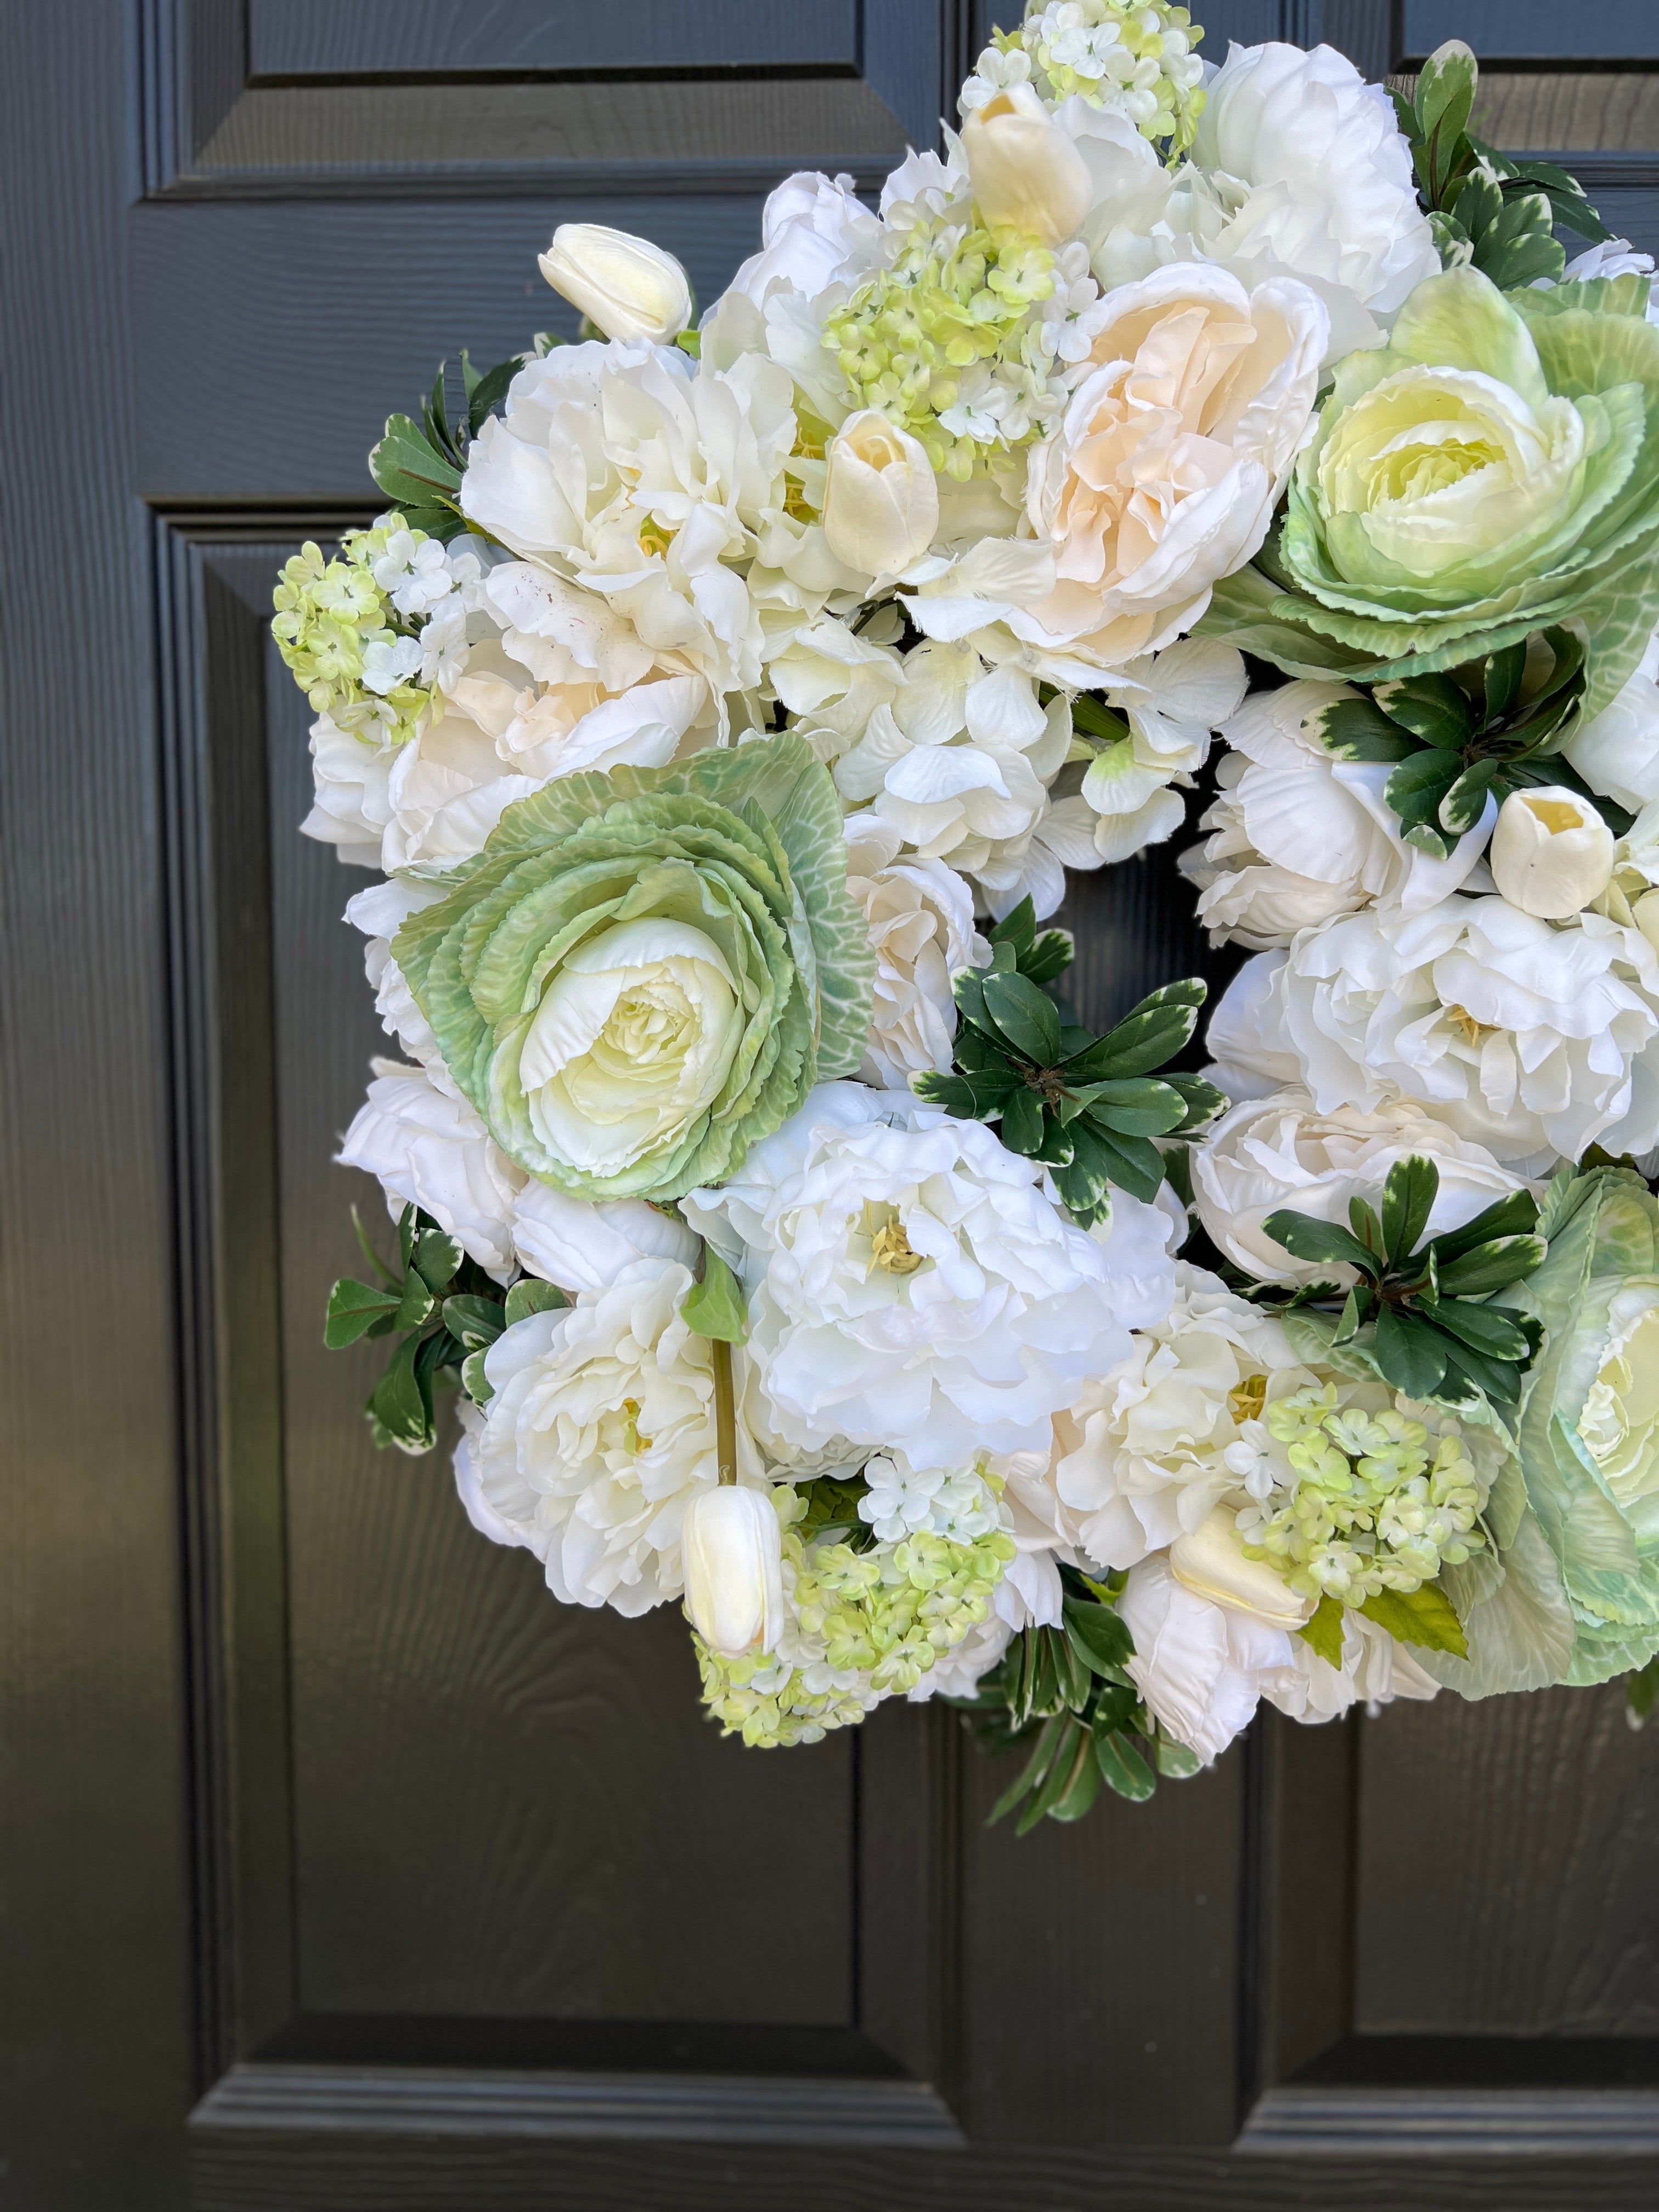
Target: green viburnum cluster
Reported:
[(1133, 56), (348, 649), (954, 302), (1379, 1503), (868, 1620)]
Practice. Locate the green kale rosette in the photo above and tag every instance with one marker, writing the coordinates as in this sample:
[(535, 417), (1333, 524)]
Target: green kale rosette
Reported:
[(1493, 470), (644, 972)]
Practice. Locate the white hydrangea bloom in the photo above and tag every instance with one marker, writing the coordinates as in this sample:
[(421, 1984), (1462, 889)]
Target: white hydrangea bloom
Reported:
[(1298, 838), (910, 1283), (901, 1500), (430, 1149), (1530, 1039), (922, 924), (1281, 1151), (601, 1431)]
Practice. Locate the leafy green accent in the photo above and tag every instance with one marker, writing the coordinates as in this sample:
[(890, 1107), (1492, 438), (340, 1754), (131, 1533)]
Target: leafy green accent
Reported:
[(1422, 1616), (1485, 729), (357, 1310), (419, 466), (714, 1306), (529, 1295), (1089, 1107), (1417, 1310), (1324, 1631)]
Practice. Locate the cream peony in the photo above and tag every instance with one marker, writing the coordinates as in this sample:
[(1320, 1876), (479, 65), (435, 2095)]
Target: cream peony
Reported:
[(910, 1283), (1297, 838), (921, 925), (600, 1432), (1202, 1668), (430, 1149), (1281, 1151), (1299, 170), (1529, 1039)]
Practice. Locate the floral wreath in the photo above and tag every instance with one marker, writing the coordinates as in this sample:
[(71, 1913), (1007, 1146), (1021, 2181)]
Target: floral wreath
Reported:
[(725, 706)]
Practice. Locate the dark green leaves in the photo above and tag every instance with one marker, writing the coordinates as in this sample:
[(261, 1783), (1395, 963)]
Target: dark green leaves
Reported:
[(446, 1310), (1088, 1107), (1456, 739), (1419, 1308), (419, 464)]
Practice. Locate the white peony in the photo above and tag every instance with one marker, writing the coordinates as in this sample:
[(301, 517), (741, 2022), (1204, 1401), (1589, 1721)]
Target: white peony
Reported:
[(659, 490), (1376, 1669), (601, 1431), (430, 1149), (1618, 752), (1299, 170), (379, 912), (351, 805), (1297, 837), (922, 924), (1141, 1456), (583, 1247), (1525, 1037), (1281, 1151), (1202, 1668), (815, 232), (910, 1284)]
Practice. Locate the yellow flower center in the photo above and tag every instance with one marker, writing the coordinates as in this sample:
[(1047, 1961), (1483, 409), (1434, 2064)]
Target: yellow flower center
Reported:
[(1467, 1028), (1246, 1399), (890, 1247)]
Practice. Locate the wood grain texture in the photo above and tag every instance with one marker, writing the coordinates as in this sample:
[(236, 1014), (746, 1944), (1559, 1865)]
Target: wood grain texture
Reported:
[(95, 2030), (1505, 1870), (1590, 111)]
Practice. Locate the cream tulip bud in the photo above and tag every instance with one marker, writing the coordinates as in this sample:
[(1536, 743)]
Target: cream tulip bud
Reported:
[(1026, 171), (624, 285), (1210, 1562), (733, 1555), (880, 496), (1551, 853)]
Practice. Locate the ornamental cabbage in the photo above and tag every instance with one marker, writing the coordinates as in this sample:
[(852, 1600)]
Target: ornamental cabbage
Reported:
[(1494, 468), (643, 973)]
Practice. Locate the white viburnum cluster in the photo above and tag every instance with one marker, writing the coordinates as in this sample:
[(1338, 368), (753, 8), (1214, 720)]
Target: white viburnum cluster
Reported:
[(723, 707)]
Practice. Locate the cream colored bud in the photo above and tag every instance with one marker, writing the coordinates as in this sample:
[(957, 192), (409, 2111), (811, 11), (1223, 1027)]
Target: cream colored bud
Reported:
[(1026, 171), (1211, 1562), (624, 285), (1551, 853), (880, 496), (1646, 915), (732, 1548)]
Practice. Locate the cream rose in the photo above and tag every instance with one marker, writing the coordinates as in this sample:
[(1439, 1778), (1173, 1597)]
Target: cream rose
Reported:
[(921, 927)]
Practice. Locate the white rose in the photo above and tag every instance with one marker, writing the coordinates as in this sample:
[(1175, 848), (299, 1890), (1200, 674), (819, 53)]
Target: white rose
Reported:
[(910, 1283), (625, 286), (815, 232), (430, 1149), (1298, 837), (1299, 170), (1201, 1668), (1618, 752), (922, 924), (351, 780), (880, 496), (1140, 1457), (1266, 1154), (600, 1432), (1551, 854), (1526, 1038), (1174, 448)]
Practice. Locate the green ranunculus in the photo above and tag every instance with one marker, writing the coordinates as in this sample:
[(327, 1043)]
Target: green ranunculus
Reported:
[(1493, 470), (1588, 1433), (644, 972)]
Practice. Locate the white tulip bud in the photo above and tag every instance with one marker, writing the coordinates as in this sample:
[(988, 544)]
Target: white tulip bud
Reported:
[(880, 496), (1211, 1562), (732, 1546), (1551, 853), (624, 285), (1026, 171)]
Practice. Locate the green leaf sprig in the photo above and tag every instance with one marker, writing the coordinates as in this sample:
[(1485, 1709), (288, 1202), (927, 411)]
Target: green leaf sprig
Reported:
[(419, 466), (1459, 737), (1422, 1309), (1485, 209), (1067, 1693), (447, 1311), (1088, 1107)]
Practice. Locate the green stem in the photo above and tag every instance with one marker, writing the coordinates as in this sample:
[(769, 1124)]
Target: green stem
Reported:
[(726, 1411)]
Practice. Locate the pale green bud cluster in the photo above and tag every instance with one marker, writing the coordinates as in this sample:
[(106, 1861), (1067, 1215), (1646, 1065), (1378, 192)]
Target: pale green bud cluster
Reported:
[(346, 646), (908, 340), (1378, 1503), (1133, 56), (865, 1624)]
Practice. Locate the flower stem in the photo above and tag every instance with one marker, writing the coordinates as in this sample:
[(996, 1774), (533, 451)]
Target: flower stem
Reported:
[(725, 1411)]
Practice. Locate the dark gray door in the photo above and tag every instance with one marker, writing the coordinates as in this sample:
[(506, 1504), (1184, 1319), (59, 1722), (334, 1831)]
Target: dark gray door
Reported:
[(342, 1867)]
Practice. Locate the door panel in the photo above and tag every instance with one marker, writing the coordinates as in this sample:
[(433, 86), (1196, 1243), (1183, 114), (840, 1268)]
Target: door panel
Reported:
[(329, 1831)]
